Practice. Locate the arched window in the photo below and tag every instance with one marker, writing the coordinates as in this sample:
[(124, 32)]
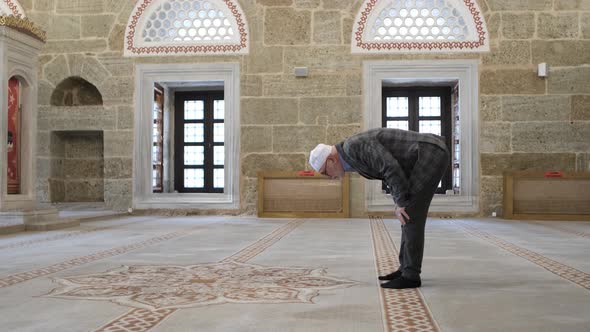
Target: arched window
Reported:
[(11, 7), (186, 27), (402, 26)]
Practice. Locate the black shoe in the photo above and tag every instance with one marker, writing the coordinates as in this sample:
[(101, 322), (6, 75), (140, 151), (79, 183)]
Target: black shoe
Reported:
[(391, 276), (401, 283)]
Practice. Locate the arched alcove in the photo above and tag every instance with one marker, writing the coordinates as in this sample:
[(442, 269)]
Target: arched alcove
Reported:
[(75, 91), (16, 85)]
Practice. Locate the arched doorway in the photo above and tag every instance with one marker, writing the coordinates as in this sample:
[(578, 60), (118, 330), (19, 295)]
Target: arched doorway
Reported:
[(14, 122)]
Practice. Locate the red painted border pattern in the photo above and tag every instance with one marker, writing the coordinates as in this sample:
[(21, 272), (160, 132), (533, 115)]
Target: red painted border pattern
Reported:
[(12, 7), (419, 45), (186, 49)]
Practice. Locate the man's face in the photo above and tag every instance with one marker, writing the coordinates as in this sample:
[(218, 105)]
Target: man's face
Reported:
[(332, 168)]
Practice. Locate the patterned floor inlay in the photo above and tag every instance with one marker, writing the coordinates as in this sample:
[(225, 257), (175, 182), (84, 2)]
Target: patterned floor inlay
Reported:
[(261, 245), (564, 271), (562, 229), (156, 287), (137, 320), (157, 291), (26, 243), (403, 310), (25, 276)]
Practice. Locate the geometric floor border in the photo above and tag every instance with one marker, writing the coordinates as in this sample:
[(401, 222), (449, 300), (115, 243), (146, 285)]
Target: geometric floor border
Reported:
[(137, 320), (564, 271), (562, 229), (29, 275), (404, 310), (62, 236)]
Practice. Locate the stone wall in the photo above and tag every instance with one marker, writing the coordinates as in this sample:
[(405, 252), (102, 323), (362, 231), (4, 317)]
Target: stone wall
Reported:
[(76, 166), (530, 123), (526, 122)]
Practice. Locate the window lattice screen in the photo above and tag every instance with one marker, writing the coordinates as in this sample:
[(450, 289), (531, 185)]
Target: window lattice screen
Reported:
[(419, 25), (186, 27), (421, 20), (179, 20)]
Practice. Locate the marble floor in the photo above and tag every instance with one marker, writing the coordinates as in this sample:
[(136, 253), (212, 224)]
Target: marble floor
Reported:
[(219, 273)]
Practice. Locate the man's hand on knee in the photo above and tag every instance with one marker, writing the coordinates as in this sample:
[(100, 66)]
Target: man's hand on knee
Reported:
[(402, 215)]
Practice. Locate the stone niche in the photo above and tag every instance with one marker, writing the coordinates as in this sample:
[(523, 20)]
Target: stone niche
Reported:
[(75, 91), (77, 166)]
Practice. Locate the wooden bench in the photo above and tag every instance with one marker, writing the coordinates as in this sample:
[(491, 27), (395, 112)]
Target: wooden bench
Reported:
[(547, 195), (303, 194)]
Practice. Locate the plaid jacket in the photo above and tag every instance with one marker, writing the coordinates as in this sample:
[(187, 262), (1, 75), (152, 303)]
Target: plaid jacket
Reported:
[(404, 160)]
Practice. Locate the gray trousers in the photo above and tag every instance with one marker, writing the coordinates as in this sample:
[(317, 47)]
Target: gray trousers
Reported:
[(411, 249)]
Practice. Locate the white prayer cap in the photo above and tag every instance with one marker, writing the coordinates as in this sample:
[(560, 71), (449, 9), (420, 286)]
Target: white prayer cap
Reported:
[(318, 156)]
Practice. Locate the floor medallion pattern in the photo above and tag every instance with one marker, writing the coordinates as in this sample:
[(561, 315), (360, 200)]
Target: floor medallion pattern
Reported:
[(156, 287), (156, 292)]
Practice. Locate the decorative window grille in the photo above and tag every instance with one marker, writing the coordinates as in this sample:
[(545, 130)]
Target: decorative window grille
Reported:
[(186, 27), (401, 26), (11, 7), (200, 142)]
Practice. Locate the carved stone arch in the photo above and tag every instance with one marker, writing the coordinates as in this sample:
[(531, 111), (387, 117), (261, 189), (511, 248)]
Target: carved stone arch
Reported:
[(86, 67), (23, 75), (11, 7), (186, 27), (419, 26), (76, 91)]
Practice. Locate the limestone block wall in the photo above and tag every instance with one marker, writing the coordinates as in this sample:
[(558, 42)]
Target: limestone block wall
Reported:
[(526, 122), (76, 166), (529, 123)]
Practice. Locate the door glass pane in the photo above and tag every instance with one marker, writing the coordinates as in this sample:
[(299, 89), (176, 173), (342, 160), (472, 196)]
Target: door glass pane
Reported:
[(194, 178), (432, 127), (398, 125), (218, 132), (154, 178), (194, 155), (194, 109), (429, 106), (155, 132), (156, 155), (194, 132), (218, 180), (397, 106), (219, 109), (219, 155)]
